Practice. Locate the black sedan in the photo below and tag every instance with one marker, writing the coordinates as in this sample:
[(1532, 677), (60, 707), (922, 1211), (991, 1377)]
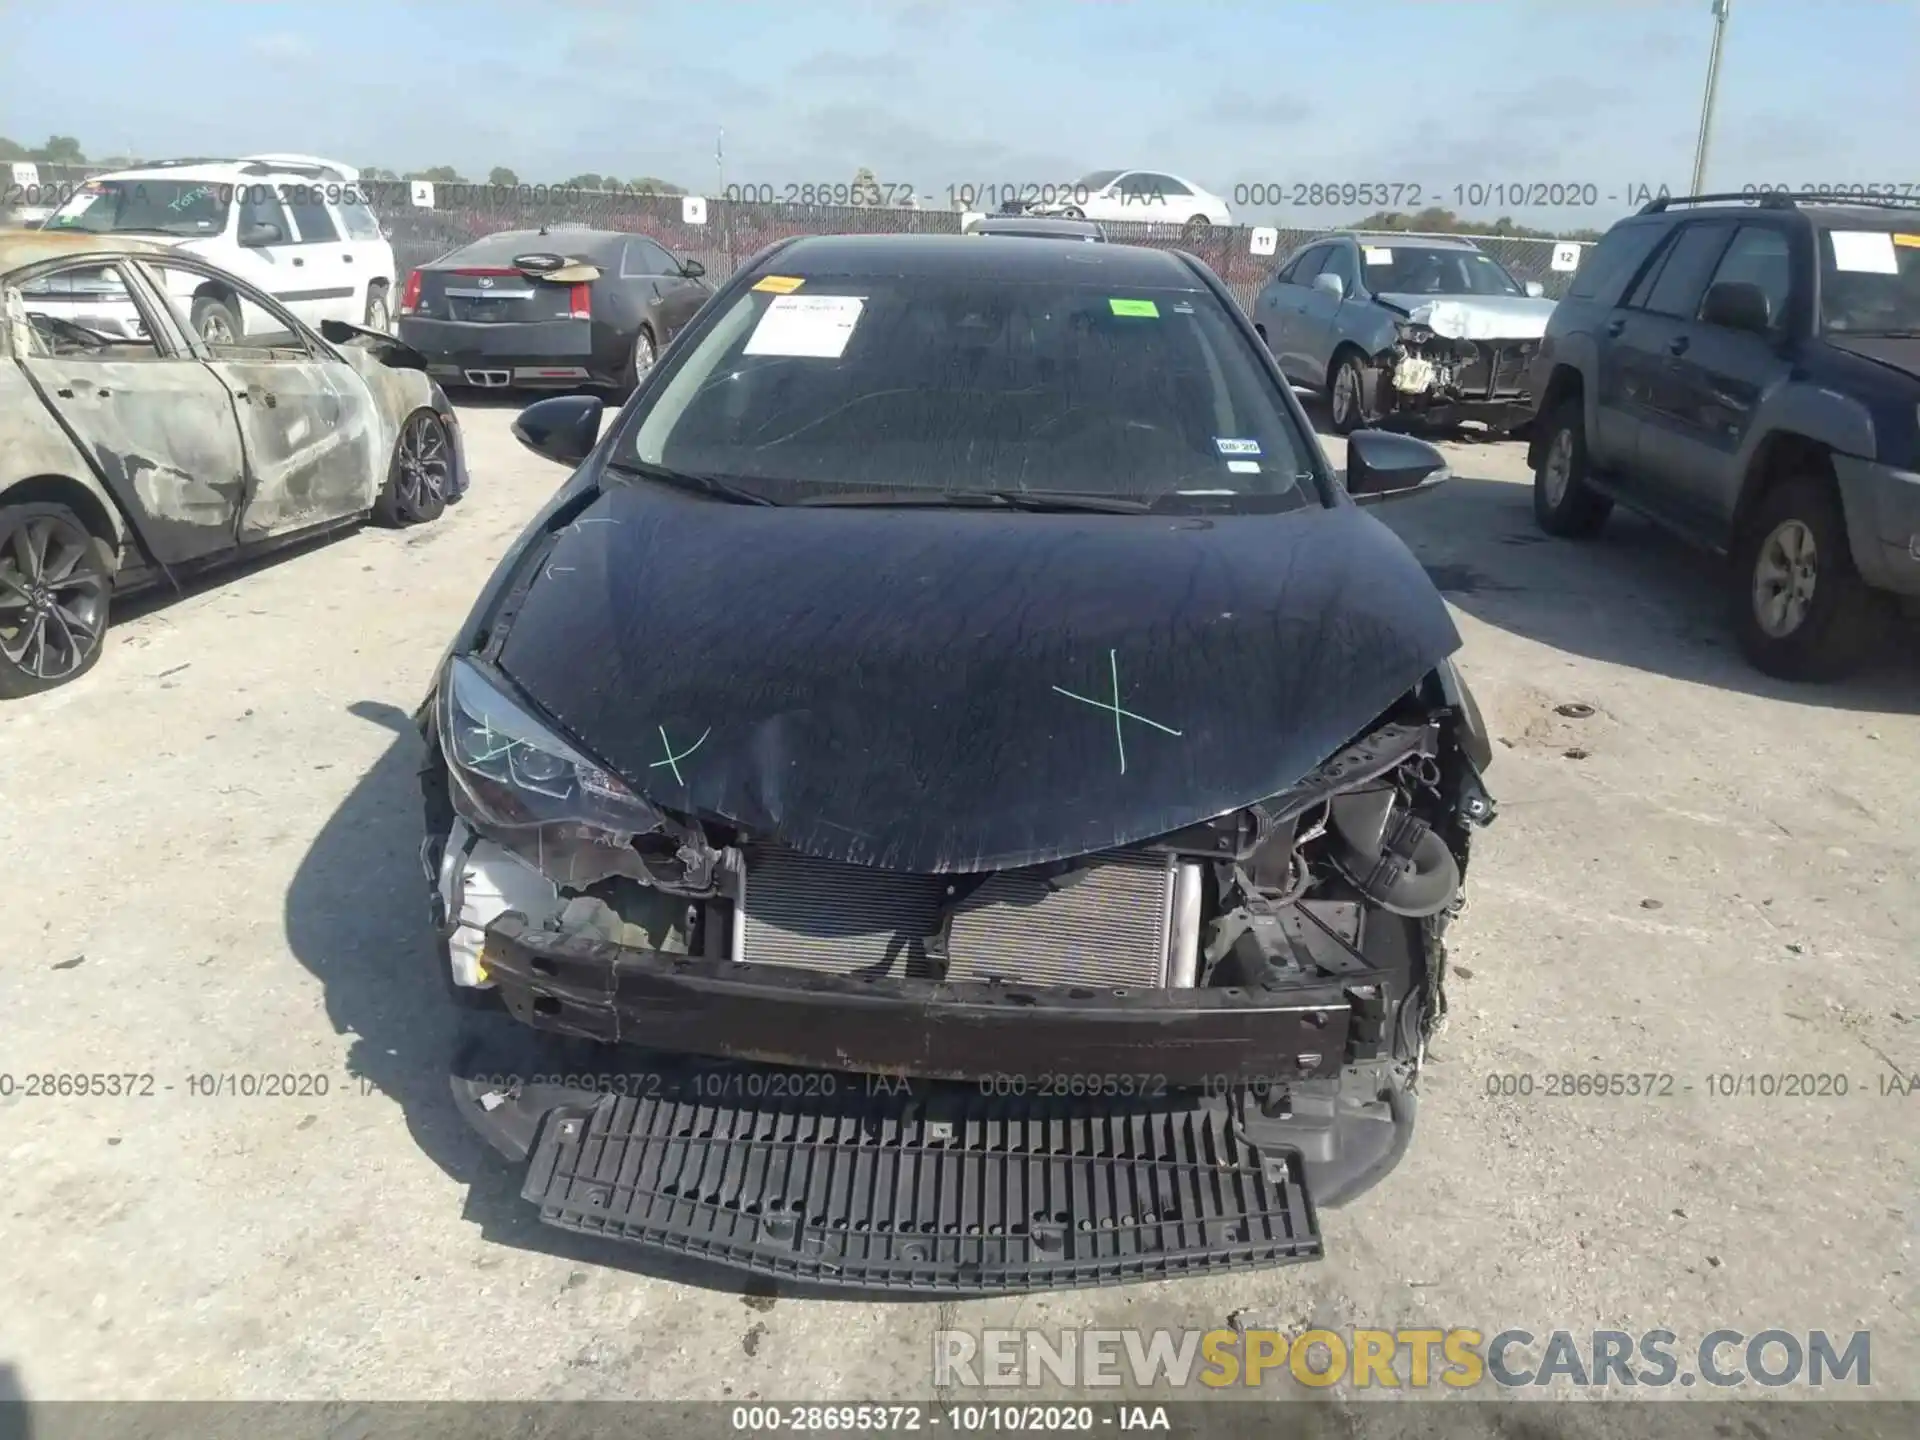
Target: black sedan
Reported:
[(525, 309), (1030, 848)]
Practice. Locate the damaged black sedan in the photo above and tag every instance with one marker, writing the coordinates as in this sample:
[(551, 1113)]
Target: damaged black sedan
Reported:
[(958, 739)]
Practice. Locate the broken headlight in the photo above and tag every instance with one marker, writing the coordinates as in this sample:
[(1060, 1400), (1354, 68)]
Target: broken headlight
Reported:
[(514, 771)]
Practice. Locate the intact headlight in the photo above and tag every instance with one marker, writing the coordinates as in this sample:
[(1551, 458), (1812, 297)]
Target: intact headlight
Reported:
[(516, 772)]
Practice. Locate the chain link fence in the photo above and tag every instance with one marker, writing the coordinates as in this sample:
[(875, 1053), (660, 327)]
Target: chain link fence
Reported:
[(723, 234)]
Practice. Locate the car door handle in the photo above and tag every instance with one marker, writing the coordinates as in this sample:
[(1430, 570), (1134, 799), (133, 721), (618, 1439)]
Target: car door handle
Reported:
[(346, 259), (298, 261), (1678, 345), (1614, 327)]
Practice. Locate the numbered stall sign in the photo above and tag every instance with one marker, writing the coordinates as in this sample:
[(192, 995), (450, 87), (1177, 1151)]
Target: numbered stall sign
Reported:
[(693, 209), (423, 194), (1566, 256), (1264, 240)]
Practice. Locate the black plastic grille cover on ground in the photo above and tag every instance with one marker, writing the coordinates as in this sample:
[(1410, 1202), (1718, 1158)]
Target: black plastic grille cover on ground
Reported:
[(944, 1191)]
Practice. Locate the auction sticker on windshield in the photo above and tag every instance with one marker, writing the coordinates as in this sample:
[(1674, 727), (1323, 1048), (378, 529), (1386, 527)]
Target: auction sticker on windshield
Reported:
[(1379, 255), (1910, 242), (1236, 447), (815, 326), (779, 284), (1144, 309), (1866, 252)]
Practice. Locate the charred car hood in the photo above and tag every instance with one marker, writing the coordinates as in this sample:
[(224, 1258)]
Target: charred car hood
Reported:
[(954, 690), (1475, 317)]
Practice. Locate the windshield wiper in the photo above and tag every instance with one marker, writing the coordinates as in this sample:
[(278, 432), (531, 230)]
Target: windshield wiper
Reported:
[(1890, 333), (685, 480), (1040, 500)]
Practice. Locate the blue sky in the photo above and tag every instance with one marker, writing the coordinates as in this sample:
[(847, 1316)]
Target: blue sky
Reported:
[(1435, 92)]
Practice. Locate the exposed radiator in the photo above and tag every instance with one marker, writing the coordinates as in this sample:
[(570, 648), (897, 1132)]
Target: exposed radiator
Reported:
[(1107, 926)]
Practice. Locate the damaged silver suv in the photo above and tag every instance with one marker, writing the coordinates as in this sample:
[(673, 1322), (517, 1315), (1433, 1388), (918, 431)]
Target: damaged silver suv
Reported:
[(961, 742)]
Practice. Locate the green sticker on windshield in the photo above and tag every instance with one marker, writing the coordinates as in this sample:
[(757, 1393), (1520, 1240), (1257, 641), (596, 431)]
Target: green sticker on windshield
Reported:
[(1144, 308)]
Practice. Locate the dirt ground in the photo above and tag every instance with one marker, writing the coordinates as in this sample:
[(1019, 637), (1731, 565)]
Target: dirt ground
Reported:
[(211, 871)]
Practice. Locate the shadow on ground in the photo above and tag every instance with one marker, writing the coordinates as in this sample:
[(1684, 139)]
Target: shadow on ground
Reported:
[(356, 916), (1634, 596)]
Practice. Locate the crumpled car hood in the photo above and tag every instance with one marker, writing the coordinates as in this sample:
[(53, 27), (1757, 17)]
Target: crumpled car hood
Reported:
[(1476, 317), (958, 690)]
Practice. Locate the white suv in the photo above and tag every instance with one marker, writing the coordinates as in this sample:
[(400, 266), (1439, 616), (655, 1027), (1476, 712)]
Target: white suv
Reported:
[(296, 226)]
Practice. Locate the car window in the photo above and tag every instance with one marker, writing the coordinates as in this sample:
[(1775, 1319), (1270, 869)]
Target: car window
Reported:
[(1691, 258), (1758, 256), (647, 257), (357, 217), (86, 312), (1870, 280), (309, 206), (1167, 185), (1309, 264), (1395, 269), (1606, 267), (188, 208), (1098, 180), (959, 384), (1140, 184), (255, 327), (1340, 262), (259, 205)]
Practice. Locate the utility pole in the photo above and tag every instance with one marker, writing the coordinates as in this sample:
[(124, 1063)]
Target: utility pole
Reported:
[(1720, 9)]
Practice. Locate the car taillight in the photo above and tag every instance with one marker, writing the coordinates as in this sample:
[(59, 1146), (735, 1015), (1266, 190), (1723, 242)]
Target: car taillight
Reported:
[(580, 302), (410, 297)]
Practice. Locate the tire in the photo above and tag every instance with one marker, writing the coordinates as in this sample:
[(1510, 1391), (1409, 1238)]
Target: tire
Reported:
[(1352, 391), (51, 629), (1073, 212), (640, 362), (1198, 225), (420, 474), (379, 309), (1803, 612), (1563, 503), (215, 321)]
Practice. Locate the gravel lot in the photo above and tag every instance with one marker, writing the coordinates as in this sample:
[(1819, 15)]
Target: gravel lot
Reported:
[(211, 869)]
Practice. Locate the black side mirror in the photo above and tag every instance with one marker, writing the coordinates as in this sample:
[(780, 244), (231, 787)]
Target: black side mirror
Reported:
[(1384, 466), (692, 269), (564, 429), (261, 232), (1737, 305)]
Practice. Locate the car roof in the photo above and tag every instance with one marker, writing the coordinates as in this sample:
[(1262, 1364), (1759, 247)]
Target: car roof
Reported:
[(504, 245), (1391, 238), (20, 248), (957, 257), (1035, 225)]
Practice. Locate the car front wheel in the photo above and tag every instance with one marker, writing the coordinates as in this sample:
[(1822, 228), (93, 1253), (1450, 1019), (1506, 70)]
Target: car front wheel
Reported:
[(1563, 503), (1804, 612), (55, 587), (1352, 395), (420, 477)]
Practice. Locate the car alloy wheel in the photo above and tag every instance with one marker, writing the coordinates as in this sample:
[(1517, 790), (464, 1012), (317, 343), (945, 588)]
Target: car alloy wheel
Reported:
[(53, 597), (379, 317), (644, 356), (425, 467), (214, 328), (1557, 473), (1784, 576)]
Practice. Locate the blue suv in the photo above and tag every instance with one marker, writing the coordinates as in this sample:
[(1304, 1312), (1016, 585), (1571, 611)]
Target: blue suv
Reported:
[(1745, 371)]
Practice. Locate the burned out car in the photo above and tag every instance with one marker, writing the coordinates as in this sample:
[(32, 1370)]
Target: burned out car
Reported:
[(1426, 327), (134, 451), (959, 793)]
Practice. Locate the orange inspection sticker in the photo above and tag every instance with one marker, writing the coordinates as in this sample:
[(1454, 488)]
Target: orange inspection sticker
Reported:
[(1912, 242), (779, 284)]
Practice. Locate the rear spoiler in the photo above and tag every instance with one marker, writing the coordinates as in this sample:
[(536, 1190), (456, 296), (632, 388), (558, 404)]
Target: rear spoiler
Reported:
[(560, 269)]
